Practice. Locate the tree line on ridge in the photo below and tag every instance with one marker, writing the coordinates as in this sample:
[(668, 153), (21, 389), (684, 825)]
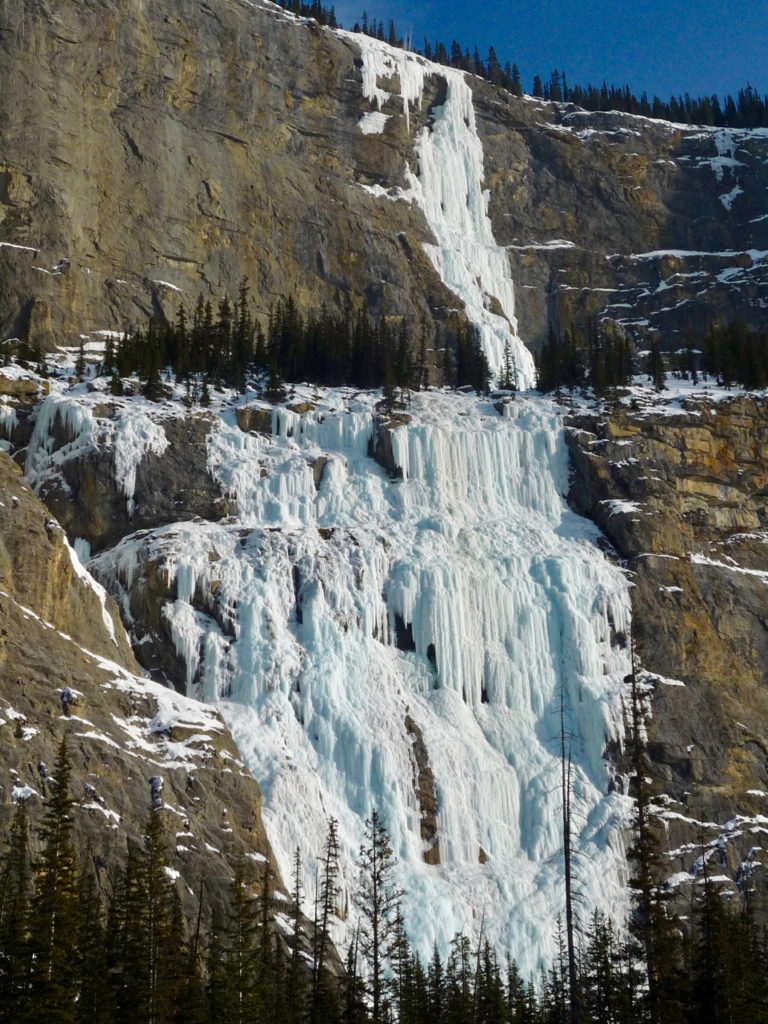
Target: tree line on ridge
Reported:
[(749, 109)]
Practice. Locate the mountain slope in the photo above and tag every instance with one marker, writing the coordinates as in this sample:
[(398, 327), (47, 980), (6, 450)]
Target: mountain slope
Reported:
[(387, 608)]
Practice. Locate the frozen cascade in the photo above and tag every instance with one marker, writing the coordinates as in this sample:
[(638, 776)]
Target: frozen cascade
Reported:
[(449, 189), (290, 619), (130, 435)]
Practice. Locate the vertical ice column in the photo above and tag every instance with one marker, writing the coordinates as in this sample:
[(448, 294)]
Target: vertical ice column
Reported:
[(449, 189)]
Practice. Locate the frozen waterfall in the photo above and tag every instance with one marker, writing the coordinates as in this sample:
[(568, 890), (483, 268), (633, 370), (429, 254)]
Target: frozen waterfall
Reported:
[(462, 597), (449, 189)]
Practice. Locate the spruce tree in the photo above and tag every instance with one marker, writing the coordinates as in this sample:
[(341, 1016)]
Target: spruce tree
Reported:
[(377, 898), (241, 963), (54, 916), (436, 987), (656, 366), (80, 362), (14, 905), (94, 1002), (296, 982), (322, 995)]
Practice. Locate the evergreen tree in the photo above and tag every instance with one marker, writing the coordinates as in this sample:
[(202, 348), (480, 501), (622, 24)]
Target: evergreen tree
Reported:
[(94, 1001), (377, 898), (322, 995), (296, 983), (54, 918), (14, 905), (108, 364), (153, 386), (436, 987), (158, 898), (354, 987), (655, 369), (508, 379), (80, 361), (240, 958)]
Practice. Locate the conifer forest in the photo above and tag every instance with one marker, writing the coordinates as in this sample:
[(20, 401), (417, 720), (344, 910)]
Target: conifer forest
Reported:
[(77, 945)]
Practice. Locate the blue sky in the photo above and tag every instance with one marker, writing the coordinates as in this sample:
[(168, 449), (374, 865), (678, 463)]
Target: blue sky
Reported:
[(698, 46)]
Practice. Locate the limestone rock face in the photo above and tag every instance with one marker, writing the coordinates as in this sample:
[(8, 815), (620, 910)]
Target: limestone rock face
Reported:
[(63, 675), (40, 572), (682, 498), (179, 146), (651, 225)]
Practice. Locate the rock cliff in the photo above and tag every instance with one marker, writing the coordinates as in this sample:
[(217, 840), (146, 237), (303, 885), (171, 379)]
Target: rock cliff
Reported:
[(179, 146), (66, 670), (680, 491)]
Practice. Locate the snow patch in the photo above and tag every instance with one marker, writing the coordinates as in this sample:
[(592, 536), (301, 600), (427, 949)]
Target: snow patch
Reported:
[(373, 123)]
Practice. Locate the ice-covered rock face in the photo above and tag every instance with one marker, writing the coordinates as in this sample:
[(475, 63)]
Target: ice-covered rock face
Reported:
[(449, 189), (466, 596)]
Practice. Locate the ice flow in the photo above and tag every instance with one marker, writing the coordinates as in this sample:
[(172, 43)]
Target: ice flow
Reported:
[(465, 597), (449, 189)]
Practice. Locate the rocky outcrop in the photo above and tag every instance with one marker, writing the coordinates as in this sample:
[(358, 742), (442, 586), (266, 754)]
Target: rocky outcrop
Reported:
[(66, 670), (40, 572), (682, 494), (381, 444), (20, 392), (257, 420), (425, 790), (84, 483)]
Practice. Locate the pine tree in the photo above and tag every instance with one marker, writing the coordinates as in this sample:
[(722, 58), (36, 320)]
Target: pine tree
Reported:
[(241, 964), (296, 982), (354, 988), (94, 1002), (377, 898), (127, 953), (656, 366), (650, 923), (158, 904), (54, 915), (217, 997), (436, 987), (108, 365), (153, 386), (14, 905), (508, 380), (327, 899)]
